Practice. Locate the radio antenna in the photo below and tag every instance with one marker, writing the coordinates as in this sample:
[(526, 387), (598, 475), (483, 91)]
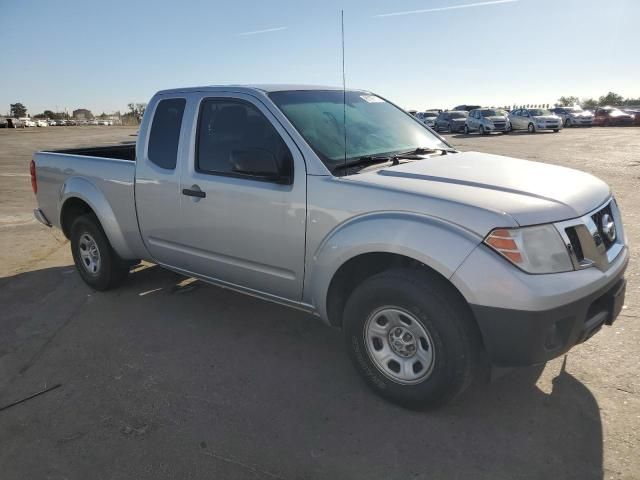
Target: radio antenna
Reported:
[(344, 94)]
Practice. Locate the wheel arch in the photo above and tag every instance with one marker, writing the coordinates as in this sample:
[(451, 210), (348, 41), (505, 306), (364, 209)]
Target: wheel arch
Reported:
[(373, 243), (80, 196)]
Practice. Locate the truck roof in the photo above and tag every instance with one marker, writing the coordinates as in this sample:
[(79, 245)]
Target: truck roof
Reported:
[(265, 88)]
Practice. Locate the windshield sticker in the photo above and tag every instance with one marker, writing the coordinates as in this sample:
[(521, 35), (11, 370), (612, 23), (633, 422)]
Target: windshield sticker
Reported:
[(371, 99)]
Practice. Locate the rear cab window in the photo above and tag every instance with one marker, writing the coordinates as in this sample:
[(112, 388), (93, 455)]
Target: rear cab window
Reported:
[(165, 133)]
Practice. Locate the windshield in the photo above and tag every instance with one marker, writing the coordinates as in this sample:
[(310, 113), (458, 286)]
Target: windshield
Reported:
[(374, 126), (492, 113), (536, 112), (459, 114), (573, 109)]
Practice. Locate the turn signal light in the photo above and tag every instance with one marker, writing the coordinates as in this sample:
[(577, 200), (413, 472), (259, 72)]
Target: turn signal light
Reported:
[(502, 242)]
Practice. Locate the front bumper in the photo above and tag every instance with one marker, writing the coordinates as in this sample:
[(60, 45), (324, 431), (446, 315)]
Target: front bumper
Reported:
[(529, 319), (497, 128)]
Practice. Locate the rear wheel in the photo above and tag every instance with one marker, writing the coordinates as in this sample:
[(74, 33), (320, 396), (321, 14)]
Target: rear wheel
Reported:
[(531, 128), (96, 261), (411, 338), (466, 130)]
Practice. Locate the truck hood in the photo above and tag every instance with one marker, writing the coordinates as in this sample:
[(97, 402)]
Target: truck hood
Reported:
[(530, 192)]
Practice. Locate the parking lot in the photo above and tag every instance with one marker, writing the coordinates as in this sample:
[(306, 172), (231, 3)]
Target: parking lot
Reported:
[(171, 378)]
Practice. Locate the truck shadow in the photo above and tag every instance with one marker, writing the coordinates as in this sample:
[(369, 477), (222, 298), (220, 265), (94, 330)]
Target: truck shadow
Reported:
[(209, 368)]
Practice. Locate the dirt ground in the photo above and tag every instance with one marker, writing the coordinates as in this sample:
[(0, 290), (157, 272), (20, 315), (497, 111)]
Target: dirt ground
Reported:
[(164, 378)]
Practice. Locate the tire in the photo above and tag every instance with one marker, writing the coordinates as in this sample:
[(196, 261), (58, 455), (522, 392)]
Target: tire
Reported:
[(97, 263), (450, 128), (466, 130), (481, 130), (556, 130), (445, 339), (567, 122), (531, 128)]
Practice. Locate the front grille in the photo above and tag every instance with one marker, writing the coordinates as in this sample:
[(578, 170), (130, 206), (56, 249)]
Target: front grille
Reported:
[(575, 243), (499, 124), (597, 219)]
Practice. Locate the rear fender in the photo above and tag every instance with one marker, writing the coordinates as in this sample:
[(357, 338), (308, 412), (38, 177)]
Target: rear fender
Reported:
[(80, 187)]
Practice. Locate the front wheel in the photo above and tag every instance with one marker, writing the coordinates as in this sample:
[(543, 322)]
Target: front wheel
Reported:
[(482, 131), (556, 130), (96, 261), (531, 128), (411, 337), (466, 130)]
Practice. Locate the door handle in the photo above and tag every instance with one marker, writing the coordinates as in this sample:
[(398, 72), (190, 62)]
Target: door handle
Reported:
[(194, 193)]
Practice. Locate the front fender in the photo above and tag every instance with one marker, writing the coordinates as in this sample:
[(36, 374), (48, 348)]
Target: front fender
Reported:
[(432, 241), (85, 190)]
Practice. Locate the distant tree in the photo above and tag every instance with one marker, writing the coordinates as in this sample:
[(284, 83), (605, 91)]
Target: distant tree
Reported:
[(50, 114), (610, 99), (589, 103), (137, 110), (103, 115), (631, 101), (18, 110), (567, 101), (40, 115)]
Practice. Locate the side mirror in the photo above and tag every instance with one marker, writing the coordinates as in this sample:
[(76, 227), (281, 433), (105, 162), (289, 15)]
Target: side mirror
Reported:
[(260, 163)]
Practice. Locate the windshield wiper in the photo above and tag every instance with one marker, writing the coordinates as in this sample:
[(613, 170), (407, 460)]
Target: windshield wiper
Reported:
[(373, 159), (425, 150)]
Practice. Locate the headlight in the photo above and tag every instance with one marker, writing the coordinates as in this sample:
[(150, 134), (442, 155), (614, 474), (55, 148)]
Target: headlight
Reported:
[(538, 249)]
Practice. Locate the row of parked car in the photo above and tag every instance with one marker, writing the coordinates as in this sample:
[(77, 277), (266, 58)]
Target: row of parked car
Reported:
[(484, 120), (31, 122)]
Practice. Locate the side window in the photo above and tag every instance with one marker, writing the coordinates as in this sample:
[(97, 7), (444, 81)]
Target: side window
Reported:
[(165, 132), (235, 138)]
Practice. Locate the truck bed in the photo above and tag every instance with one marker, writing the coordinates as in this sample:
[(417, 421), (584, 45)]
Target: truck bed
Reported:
[(117, 152)]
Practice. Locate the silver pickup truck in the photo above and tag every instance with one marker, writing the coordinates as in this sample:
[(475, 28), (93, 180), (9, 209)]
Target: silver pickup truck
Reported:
[(436, 264)]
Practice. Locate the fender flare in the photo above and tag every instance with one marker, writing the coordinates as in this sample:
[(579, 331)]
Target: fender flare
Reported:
[(436, 243), (83, 189)]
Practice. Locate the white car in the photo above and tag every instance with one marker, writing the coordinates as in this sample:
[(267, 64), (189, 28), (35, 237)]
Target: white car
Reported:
[(534, 119), (28, 122), (487, 120), (41, 123), (574, 116), (428, 118)]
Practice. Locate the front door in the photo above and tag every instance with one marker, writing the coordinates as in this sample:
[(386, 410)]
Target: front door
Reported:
[(240, 223)]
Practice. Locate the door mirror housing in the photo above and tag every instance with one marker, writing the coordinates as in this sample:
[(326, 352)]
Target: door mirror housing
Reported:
[(261, 164)]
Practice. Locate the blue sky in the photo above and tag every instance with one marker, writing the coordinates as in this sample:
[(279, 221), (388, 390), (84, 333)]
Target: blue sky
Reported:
[(418, 53)]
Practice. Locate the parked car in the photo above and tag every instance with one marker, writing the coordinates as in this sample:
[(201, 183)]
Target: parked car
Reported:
[(3, 122), (635, 113), (452, 121), (72, 123), (487, 120), (27, 122), (574, 116), (41, 123), (15, 123), (611, 116), (468, 108), (534, 119), (432, 265), (428, 118)]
